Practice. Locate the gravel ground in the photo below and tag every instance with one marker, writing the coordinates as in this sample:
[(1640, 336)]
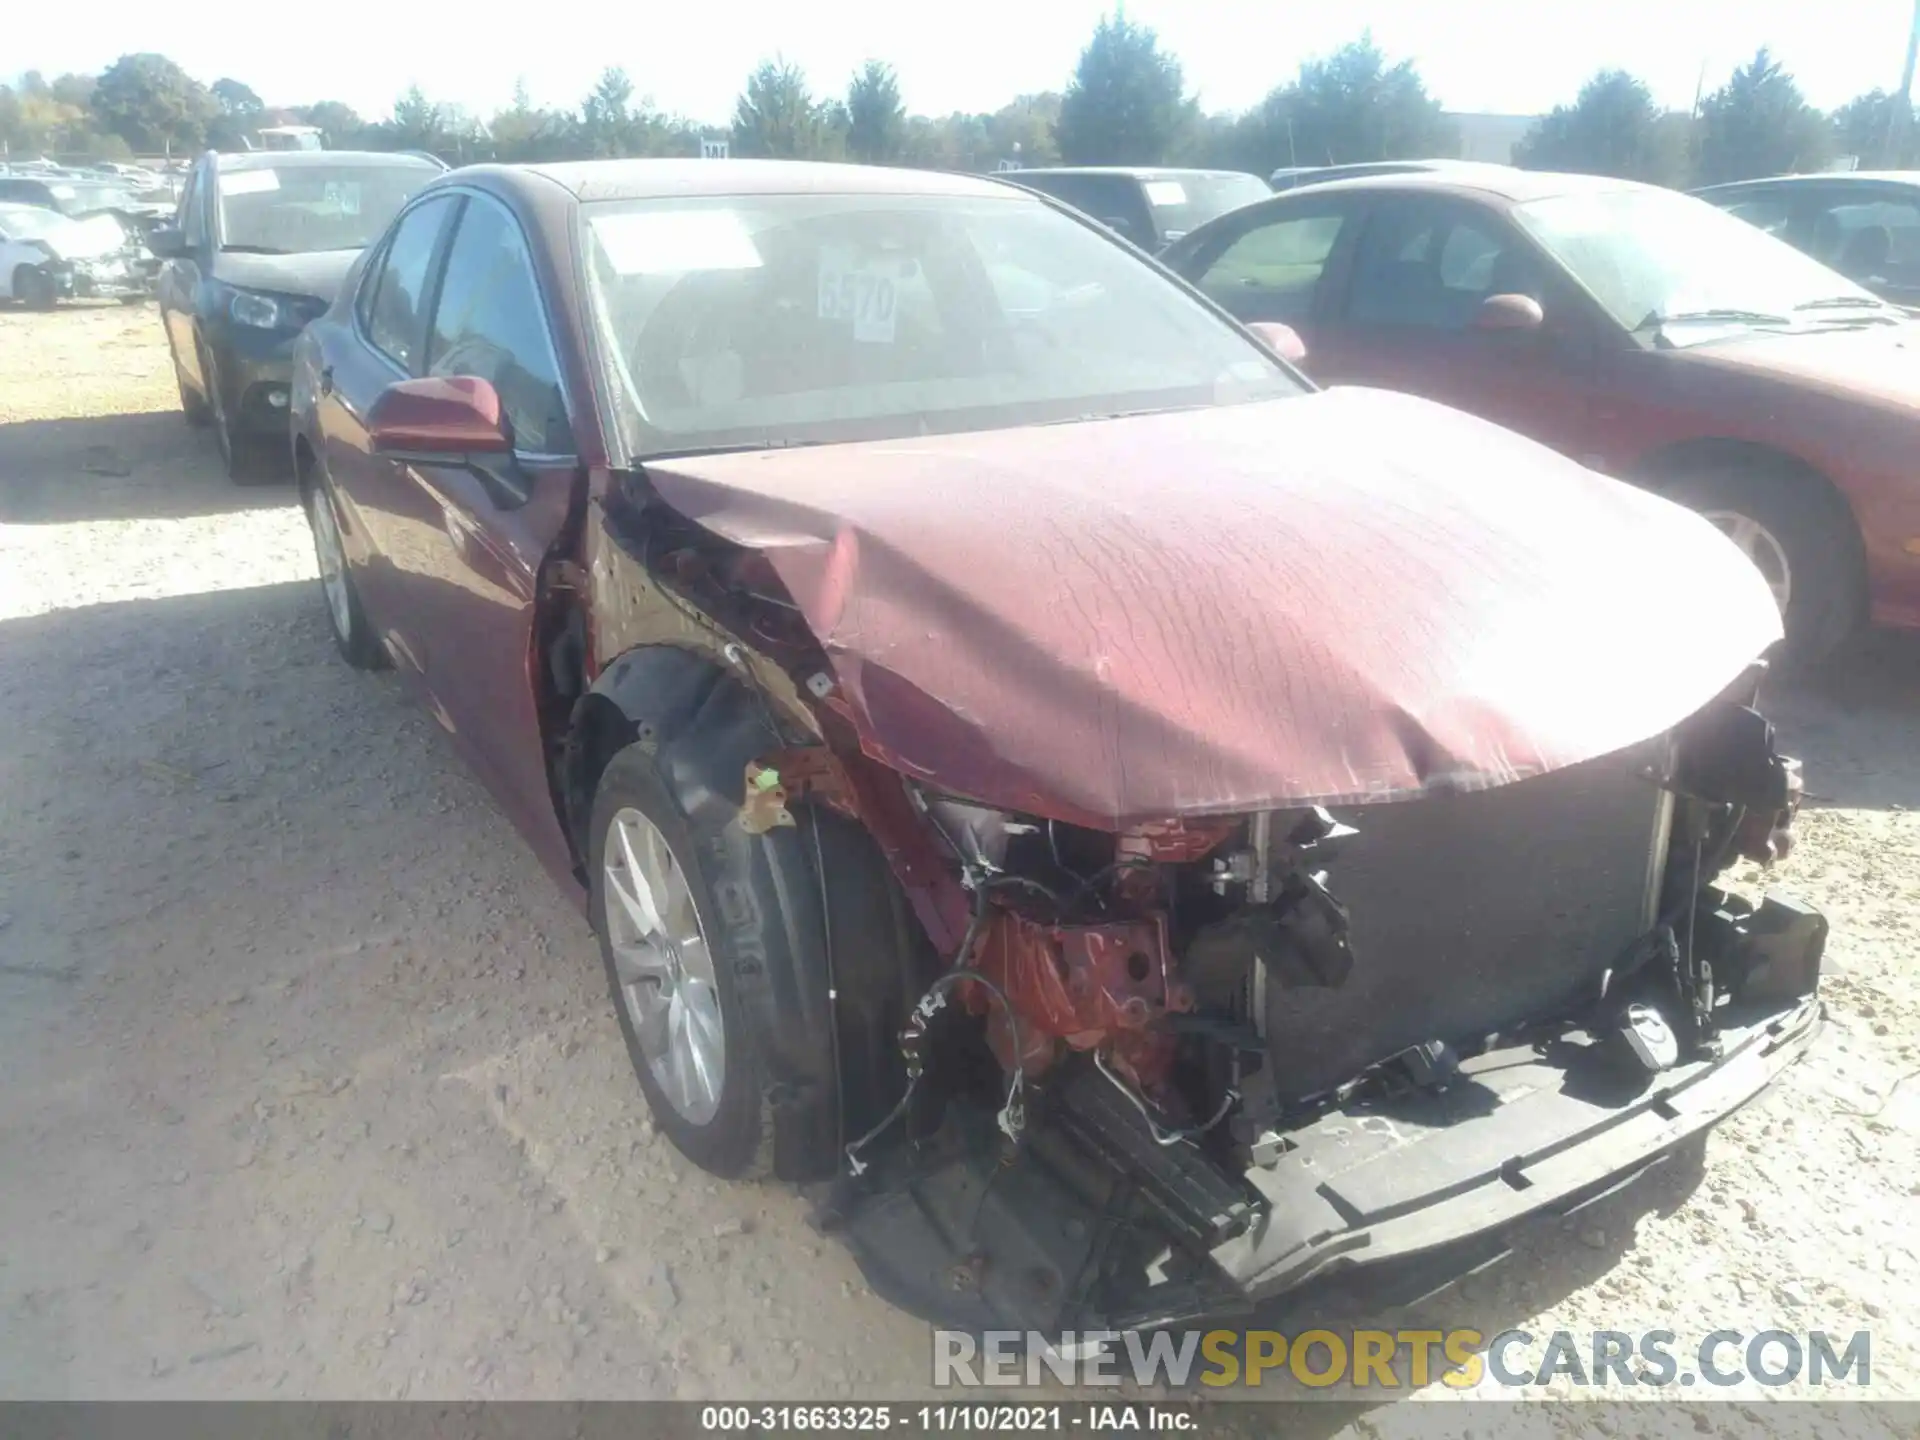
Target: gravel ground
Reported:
[(309, 1085)]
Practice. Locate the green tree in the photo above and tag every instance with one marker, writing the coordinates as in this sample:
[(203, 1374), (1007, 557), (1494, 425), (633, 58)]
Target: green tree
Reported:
[(1864, 125), (1127, 103), (776, 115), (1024, 130), (152, 103), (74, 90), (340, 125), (417, 123), (525, 132), (1613, 128), (876, 120), (607, 119), (1351, 106), (1759, 124), (236, 99)]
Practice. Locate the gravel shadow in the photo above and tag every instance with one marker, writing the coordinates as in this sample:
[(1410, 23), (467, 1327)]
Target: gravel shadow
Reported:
[(120, 467), (1855, 723)]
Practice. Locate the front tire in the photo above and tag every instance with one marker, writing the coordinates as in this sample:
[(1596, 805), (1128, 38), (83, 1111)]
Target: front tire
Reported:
[(358, 645), (1802, 538), (193, 405), (243, 458), (34, 288), (670, 970)]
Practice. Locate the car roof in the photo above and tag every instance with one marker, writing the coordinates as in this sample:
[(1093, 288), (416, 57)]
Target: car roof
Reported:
[(1830, 177), (1501, 182), (1141, 172), (229, 163), (13, 207), (598, 180)]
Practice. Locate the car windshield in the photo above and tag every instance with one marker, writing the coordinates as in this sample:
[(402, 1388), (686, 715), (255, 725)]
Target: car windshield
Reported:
[(767, 320), (302, 208), (1184, 202), (1661, 261)]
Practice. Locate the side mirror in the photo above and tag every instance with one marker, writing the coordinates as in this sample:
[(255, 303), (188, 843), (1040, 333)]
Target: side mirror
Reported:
[(1283, 340), (169, 242), (446, 420), (1510, 312)]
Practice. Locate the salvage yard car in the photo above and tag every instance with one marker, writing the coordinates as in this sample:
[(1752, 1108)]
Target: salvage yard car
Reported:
[(45, 257), (1864, 223), (1150, 206), (258, 248), (1642, 332), (1138, 832)]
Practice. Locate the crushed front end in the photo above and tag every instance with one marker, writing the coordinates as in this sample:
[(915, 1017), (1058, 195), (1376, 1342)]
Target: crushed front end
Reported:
[(1320, 857), (1174, 1070)]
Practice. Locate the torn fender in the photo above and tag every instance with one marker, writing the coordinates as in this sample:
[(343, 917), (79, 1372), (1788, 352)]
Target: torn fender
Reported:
[(1348, 597)]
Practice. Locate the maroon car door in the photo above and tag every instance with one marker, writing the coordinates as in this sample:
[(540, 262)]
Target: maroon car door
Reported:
[(381, 340), (1409, 318), (466, 544)]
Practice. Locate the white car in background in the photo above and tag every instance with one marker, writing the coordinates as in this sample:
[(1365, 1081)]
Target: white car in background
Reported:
[(44, 257)]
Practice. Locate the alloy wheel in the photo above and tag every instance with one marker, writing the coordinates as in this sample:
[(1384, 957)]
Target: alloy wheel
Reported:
[(332, 559), (664, 967), (1760, 546)]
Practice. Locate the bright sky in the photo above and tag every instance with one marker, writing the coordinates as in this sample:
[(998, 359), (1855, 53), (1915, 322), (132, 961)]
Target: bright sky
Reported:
[(1511, 56)]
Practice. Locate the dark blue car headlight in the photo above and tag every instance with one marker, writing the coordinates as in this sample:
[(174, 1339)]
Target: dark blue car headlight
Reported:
[(259, 312)]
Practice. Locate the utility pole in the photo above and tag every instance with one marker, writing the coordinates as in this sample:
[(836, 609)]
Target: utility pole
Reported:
[(1902, 106)]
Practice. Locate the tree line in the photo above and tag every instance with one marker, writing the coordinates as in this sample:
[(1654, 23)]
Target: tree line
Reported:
[(1127, 102)]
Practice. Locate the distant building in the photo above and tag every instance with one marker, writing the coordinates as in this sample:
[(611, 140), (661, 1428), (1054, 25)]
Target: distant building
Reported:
[(1491, 137)]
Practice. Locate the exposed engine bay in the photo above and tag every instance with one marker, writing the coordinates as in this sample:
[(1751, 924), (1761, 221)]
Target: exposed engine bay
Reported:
[(1232, 1014), (1173, 1067)]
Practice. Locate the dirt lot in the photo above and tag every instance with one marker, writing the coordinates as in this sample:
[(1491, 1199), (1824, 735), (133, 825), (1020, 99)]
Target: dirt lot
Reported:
[(309, 1086)]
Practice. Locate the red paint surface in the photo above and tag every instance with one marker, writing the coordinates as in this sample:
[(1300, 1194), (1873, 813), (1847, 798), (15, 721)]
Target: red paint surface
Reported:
[(1343, 598)]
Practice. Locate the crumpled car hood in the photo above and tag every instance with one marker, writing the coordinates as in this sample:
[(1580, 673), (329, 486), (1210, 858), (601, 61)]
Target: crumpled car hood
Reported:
[(1344, 598), (317, 273), (87, 239)]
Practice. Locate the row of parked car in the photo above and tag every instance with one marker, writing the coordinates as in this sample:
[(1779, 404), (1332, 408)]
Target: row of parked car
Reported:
[(80, 232), (1763, 373), (1748, 370)]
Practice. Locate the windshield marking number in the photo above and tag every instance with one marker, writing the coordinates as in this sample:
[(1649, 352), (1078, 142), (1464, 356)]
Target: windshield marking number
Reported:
[(860, 294)]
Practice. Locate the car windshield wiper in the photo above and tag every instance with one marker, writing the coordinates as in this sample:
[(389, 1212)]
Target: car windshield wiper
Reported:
[(744, 448), (253, 250), (1657, 321), (1844, 302)]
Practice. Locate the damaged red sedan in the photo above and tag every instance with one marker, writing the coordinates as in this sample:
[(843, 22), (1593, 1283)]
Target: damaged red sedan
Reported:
[(1140, 833)]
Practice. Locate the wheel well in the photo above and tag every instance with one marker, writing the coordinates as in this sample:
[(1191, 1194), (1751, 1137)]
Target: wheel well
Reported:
[(303, 461), (1661, 471), (836, 958), (1663, 468), (599, 731)]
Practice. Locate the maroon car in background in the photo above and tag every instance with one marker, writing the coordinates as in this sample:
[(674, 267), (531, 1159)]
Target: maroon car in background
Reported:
[(1140, 832), (1642, 332)]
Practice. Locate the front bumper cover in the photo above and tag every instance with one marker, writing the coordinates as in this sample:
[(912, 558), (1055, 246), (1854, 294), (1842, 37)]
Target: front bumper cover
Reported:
[(253, 365), (1403, 1195)]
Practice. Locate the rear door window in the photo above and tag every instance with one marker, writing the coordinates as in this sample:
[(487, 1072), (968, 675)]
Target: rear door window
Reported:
[(1273, 271), (1115, 201), (396, 316), (1430, 267)]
